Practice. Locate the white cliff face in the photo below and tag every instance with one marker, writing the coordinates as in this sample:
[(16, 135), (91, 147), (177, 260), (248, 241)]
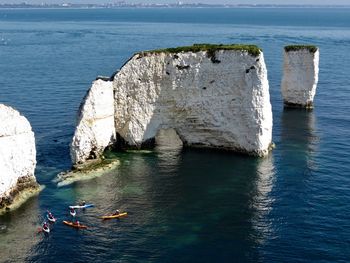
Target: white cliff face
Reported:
[(300, 77), (220, 104), (17, 152), (95, 129)]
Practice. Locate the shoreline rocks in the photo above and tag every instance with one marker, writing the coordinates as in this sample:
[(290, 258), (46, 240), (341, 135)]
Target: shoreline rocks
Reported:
[(300, 76), (17, 159)]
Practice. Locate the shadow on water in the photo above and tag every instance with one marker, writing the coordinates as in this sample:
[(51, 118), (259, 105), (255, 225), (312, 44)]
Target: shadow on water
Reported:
[(298, 139), (291, 218), (211, 209)]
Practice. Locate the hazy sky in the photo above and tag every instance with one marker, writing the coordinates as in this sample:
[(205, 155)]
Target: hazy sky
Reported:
[(315, 2)]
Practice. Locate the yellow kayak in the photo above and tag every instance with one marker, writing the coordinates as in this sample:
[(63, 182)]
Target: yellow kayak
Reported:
[(114, 216), (75, 225)]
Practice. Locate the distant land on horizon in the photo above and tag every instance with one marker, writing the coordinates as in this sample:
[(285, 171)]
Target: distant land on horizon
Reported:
[(122, 4)]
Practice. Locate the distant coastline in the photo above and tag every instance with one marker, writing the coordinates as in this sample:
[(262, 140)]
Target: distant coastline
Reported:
[(152, 5)]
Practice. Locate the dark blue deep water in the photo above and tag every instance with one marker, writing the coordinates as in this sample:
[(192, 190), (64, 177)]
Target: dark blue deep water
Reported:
[(193, 206)]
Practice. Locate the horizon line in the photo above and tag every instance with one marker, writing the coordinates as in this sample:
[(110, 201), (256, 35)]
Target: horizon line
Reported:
[(178, 4)]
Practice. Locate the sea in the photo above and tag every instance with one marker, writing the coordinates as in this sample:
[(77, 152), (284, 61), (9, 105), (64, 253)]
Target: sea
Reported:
[(193, 205)]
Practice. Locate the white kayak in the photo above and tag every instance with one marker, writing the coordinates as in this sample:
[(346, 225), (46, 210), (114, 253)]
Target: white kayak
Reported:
[(51, 219), (47, 230), (81, 206)]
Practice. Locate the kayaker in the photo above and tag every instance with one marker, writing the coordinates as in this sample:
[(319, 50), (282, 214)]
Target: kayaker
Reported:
[(77, 223), (50, 215), (117, 212), (45, 226), (82, 203)]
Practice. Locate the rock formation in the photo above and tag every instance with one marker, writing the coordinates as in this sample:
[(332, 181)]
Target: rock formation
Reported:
[(95, 129), (300, 75), (17, 157), (209, 95)]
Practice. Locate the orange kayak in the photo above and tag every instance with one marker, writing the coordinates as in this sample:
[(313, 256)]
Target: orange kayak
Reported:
[(114, 216), (75, 225)]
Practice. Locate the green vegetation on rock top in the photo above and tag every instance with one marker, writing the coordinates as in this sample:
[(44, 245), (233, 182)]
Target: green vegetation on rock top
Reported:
[(253, 50), (311, 48)]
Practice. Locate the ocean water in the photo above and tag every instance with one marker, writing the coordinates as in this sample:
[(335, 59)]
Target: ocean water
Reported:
[(194, 205)]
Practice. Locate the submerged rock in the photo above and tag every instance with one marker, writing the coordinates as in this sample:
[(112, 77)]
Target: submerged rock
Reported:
[(17, 159), (89, 170), (300, 75)]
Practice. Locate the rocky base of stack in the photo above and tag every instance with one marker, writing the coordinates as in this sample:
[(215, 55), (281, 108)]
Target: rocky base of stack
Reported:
[(25, 188), (89, 170), (308, 105), (17, 159)]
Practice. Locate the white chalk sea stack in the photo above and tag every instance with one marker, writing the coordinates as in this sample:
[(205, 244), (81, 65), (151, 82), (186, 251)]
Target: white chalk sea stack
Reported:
[(214, 99), (95, 129), (203, 96), (300, 75), (17, 158)]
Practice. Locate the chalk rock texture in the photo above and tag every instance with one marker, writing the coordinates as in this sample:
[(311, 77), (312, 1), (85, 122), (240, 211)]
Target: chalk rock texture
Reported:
[(17, 155), (219, 103), (95, 129), (215, 98), (300, 77)]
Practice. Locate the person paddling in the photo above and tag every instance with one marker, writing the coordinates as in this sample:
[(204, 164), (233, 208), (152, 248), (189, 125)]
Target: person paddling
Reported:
[(117, 212), (50, 215), (45, 226), (72, 212)]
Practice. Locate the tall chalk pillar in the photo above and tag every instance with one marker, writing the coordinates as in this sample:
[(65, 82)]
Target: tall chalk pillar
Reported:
[(300, 75)]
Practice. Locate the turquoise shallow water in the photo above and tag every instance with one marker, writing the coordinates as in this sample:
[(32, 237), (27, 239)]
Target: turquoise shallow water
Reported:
[(193, 206)]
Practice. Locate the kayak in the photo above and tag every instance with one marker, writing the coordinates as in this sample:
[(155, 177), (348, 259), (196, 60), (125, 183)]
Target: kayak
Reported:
[(42, 229), (74, 225), (51, 219), (114, 216), (81, 206)]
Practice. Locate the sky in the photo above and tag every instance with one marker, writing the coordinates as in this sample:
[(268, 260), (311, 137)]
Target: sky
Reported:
[(315, 2)]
